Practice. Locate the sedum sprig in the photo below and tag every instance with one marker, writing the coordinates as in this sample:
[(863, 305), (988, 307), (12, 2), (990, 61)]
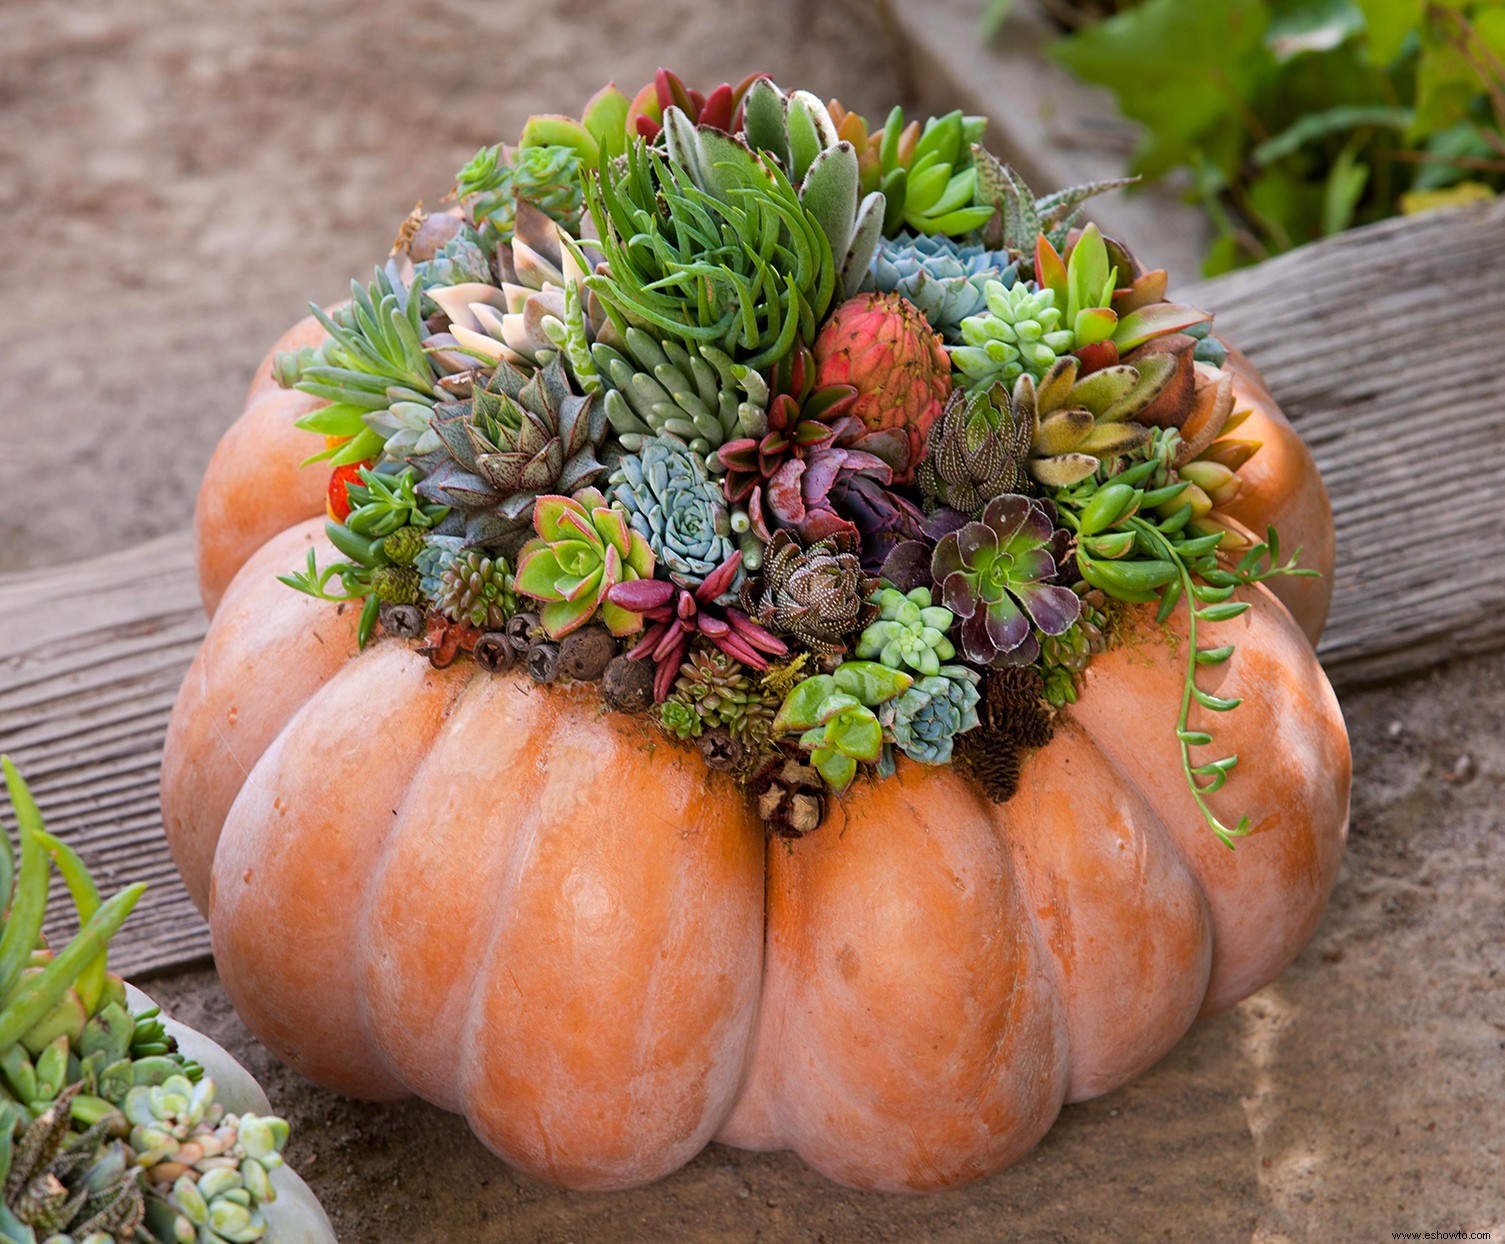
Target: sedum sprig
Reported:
[(1131, 556)]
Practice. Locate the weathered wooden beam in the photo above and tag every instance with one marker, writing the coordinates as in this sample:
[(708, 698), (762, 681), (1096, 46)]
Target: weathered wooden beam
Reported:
[(1383, 345), (1386, 348)]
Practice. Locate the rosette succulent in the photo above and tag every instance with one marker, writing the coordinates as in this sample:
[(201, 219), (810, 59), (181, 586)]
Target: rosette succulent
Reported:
[(994, 575), (476, 589), (817, 595), (941, 276), (910, 631), (496, 178), (834, 715), (584, 548), (977, 451), (927, 176), (925, 719), (515, 437), (1077, 422), (675, 506)]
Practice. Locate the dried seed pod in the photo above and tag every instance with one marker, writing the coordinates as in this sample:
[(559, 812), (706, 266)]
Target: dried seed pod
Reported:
[(585, 654), (789, 795), (628, 685), (402, 621), (523, 629), (720, 750), (494, 652), (543, 661)]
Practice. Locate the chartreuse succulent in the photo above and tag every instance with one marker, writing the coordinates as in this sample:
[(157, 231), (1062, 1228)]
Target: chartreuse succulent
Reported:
[(834, 715), (107, 1134), (584, 547), (909, 633), (786, 411), (742, 265)]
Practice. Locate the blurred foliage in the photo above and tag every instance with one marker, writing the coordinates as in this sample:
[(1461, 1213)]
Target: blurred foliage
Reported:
[(1301, 118)]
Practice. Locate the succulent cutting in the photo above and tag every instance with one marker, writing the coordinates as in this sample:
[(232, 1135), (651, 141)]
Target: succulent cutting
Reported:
[(830, 446), (109, 1134)]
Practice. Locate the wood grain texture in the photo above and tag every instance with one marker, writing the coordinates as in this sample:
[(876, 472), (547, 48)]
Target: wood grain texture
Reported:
[(1381, 345)]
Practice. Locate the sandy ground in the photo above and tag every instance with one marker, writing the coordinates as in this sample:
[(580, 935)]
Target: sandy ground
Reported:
[(180, 176)]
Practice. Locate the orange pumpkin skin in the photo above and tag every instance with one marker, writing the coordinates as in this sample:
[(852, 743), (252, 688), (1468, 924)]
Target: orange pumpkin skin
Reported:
[(555, 921)]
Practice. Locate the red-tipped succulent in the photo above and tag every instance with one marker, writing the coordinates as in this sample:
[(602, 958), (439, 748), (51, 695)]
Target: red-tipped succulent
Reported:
[(676, 615), (721, 109)]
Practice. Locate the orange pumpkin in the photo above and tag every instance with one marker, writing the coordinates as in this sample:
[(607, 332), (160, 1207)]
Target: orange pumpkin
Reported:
[(549, 919)]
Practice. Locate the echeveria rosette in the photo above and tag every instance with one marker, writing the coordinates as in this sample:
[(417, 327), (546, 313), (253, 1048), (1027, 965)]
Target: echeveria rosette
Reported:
[(925, 719), (993, 574), (834, 715), (675, 506), (678, 614), (910, 631), (584, 548), (941, 276)]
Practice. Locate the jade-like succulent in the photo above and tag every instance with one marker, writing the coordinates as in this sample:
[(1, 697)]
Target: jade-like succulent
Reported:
[(477, 589), (675, 507), (927, 176), (993, 574), (743, 266), (584, 547), (834, 713), (925, 719), (910, 631), (1021, 332)]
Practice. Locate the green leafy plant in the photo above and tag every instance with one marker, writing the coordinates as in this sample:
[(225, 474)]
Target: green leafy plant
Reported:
[(1301, 119)]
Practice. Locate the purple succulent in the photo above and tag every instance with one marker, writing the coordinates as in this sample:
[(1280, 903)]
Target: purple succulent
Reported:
[(676, 615), (995, 574)]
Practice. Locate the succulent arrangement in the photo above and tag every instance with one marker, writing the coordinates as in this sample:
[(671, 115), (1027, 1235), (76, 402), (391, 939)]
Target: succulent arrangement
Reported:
[(824, 444), (108, 1134)]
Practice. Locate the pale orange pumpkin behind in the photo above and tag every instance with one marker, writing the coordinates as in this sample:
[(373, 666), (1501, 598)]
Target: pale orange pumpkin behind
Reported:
[(552, 920)]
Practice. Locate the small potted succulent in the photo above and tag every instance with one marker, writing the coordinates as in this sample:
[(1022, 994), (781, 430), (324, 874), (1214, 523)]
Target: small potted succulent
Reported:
[(789, 643), (119, 1125)]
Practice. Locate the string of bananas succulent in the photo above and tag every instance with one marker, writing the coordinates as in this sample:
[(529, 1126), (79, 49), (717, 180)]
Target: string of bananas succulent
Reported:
[(834, 446)]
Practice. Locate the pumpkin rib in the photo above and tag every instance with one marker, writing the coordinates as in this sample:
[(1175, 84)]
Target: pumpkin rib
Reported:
[(298, 839), (615, 1009), (267, 652), (1265, 897), (1284, 489), (1126, 923), (968, 1047)]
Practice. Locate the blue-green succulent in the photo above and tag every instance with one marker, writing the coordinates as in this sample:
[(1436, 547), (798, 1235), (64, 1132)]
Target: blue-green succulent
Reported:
[(941, 276), (923, 721), (676, 507), (910, 631)]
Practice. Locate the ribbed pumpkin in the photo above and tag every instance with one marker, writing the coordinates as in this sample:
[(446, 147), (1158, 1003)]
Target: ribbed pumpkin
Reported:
[(545, 917)]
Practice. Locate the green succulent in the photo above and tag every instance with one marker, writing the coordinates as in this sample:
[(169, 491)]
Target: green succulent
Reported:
[(798, 131), (927, 175), (745, 267), (834, 713), (1020, 332), (681, 718), (1076, 425), (722, 693), (385, 502), (976, 451), (461, 260), (910, 630), (490, 185), (477, 589), (675, 507), (1019, 218), (657, 388), (583, 548), (925, 719)]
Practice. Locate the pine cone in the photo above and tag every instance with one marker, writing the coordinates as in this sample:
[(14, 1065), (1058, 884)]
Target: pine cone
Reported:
[(789, 794), (396, 585), (477, 590), (403, 546), (818, 594), (1013, 718)]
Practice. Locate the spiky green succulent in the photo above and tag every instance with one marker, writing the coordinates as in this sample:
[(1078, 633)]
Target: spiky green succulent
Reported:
[(833, 714), (743, 266), (925, 719), (799, 132), (477, 589), (909, 632), (517, 436), (676, 507), (584, 547), (941, 276), (1019, 217), (977, 450), (1020, 332), (656, 388)]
